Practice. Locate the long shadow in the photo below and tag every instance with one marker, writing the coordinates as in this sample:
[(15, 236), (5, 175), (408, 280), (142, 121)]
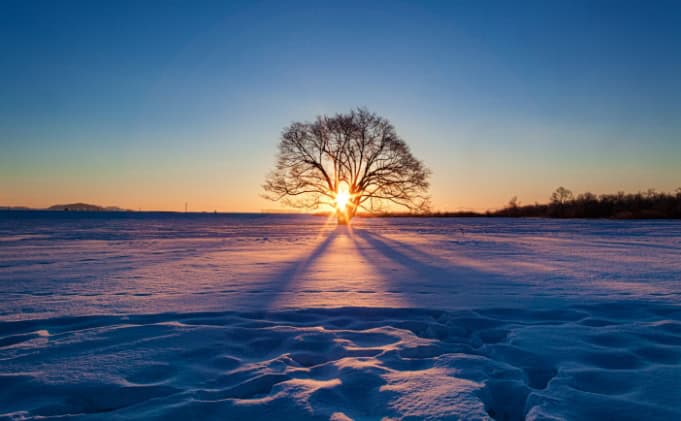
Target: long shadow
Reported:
[(284, 279), (402, 259), (403, 255), (419, 271), (462, 268)]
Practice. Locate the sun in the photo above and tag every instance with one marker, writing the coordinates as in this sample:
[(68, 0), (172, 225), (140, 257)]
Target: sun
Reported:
[(342, 198)]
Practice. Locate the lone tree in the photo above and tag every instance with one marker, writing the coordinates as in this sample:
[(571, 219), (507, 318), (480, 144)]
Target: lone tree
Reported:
[(347, 162)]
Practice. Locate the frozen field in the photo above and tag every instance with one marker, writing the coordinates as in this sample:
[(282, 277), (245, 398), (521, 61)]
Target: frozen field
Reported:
[(114, 316)]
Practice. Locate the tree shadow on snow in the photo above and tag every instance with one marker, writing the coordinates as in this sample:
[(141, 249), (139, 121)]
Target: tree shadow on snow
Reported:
[(283, 280), (419, 266)]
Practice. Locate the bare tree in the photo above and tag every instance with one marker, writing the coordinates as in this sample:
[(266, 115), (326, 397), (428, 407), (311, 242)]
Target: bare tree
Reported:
[(561, 196), (347, 162)]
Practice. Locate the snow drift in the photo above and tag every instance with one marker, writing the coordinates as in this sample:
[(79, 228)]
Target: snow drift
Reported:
[(204, 316)]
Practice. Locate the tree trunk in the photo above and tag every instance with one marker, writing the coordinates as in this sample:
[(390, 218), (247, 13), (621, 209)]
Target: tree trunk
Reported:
[(342, 218)]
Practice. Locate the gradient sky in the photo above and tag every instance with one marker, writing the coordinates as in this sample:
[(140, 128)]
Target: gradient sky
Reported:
[(153, 104)]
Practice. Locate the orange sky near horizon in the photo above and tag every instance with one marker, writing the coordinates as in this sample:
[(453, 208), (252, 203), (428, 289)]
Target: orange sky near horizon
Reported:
[(235, 186)]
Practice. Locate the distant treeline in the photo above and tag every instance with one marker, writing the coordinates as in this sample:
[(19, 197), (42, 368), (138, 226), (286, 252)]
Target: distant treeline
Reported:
[(564, 204)]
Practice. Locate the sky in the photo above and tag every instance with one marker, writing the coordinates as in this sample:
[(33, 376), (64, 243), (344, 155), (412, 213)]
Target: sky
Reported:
[(153, 104)]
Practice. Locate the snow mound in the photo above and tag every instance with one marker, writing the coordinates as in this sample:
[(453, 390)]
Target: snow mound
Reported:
[(581, 362)]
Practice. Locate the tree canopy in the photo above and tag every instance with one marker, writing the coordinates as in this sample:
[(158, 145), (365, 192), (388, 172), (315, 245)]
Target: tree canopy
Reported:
[(347, 162)]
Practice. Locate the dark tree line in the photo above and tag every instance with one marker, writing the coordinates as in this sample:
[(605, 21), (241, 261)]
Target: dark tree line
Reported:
[(563, 204)]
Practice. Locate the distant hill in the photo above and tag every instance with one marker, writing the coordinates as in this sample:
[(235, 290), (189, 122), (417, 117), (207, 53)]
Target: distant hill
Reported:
[(85, 207), (14, 208)]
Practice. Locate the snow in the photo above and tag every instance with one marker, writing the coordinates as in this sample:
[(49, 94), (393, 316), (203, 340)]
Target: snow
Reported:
[(290, 317)]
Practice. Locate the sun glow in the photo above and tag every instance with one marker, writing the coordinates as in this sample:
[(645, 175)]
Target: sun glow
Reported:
[(344, 203), (342, 198)]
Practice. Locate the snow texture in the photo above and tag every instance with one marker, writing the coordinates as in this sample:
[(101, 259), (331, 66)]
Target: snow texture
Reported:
[(173, 316)]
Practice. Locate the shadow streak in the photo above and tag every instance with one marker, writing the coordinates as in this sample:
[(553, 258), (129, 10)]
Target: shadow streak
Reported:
[(441, 272), (392, 253), (283, 280)]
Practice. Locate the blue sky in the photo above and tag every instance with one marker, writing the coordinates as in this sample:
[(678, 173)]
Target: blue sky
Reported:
[(153, 104)]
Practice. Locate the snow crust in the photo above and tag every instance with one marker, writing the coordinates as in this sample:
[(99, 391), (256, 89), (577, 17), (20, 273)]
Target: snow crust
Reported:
[(170, 316)]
